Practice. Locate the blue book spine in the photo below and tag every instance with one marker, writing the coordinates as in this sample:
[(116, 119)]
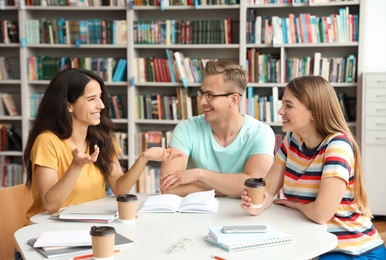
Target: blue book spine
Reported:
[(171, 68), (250, 102), (304, 26)]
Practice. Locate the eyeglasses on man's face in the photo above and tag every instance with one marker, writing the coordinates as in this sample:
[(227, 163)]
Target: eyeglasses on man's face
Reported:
[(209, 97)]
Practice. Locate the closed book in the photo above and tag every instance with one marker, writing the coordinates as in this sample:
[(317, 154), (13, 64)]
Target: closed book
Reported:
[(84, 213)]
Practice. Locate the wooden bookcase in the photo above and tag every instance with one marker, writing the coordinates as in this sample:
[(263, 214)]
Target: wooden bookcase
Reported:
[(130, 89)]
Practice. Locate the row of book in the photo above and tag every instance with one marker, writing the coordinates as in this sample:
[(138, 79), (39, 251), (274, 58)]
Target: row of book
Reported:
[(263, 68), (166, 3), (334, 69), (64, 31), (153, 138), (11, 174), (75, 3), (260, 2), (45, 67), (168, 107), (149, 181), (304, 28), (264, 108), (152, 69), (121, 138), (117, 109), (185, 31), (9, 31), (266, 68)]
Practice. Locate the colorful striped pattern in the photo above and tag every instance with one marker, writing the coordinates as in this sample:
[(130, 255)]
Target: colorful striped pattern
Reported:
[(304, 170)]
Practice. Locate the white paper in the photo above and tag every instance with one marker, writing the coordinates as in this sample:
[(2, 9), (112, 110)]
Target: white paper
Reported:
[(64, 238)]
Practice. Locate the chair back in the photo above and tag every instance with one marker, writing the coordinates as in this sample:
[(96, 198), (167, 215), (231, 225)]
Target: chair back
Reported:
[(14, 203)]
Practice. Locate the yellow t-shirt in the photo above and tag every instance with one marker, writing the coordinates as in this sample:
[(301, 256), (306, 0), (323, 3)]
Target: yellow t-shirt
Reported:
[(52, 152)]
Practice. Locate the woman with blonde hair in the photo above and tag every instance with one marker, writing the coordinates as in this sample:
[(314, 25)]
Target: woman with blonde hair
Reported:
[(319, 169)]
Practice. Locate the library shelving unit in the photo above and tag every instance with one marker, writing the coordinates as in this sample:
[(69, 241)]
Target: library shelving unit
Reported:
[(142, 16), (10, 83)]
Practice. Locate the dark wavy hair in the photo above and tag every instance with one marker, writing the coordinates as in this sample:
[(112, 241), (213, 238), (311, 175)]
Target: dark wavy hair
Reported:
[(53, 115)]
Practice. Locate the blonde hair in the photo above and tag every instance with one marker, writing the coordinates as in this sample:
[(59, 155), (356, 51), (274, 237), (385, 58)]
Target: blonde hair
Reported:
[(320, 98), (233, 74)]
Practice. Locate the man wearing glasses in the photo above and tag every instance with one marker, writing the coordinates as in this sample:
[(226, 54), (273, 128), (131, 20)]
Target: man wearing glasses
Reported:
[(222, 147)]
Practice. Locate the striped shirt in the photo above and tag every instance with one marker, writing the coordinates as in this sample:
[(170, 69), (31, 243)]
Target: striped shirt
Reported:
[(334, 157)]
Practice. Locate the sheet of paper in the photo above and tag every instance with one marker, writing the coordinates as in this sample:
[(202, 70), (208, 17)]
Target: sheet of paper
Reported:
[(64, 238)]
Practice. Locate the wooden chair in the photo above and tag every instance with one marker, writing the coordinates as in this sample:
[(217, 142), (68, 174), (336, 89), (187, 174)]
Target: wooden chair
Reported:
[(14, 203)]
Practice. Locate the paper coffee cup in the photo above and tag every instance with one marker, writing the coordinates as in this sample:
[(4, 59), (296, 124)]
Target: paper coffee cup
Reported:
[(256, 189), (102, 239), (127, 208)]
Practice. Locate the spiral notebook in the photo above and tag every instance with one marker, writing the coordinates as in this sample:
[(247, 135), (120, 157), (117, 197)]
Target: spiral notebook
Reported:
[(280, 238)]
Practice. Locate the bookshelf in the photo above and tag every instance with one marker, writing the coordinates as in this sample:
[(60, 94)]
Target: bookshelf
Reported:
[(201, 22)]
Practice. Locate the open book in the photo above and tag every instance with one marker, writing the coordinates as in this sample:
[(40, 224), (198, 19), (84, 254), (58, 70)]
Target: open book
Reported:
[(197, 202)]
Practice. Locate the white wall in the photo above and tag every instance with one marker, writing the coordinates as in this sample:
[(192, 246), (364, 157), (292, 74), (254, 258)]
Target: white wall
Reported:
[(374, 35)]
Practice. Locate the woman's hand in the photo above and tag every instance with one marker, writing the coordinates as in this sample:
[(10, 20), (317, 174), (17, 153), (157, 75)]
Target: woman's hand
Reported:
[(82, 158), (161, 154), (246, 203)]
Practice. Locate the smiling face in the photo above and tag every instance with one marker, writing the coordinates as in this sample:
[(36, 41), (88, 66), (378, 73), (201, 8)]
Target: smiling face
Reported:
[(219, 106), (296, 117), (86, 110)]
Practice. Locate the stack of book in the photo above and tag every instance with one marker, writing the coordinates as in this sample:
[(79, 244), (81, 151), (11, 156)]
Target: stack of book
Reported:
[(62, 243), (233, 242)]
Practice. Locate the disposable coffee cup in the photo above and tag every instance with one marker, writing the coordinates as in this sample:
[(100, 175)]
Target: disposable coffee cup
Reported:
[(102, 239), (256, 189), (127, 208)]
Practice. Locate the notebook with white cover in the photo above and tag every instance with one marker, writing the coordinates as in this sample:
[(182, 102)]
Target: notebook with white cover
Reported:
[(91, 213), (216, 233), (248, 245)]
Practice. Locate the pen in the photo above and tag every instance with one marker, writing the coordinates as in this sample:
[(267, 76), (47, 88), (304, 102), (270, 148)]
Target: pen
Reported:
[(88, 255), (217, 257)]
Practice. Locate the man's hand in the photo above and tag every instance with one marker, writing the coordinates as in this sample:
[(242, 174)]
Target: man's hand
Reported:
[(170, 180)]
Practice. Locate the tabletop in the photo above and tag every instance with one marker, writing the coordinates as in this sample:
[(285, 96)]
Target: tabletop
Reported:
[(155, 233)]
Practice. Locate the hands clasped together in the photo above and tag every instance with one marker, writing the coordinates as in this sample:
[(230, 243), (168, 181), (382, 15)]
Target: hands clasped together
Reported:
[(170, 180)]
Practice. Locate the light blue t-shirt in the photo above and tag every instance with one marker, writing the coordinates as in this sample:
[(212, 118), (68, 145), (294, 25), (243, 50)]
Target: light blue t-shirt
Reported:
[(194, 137)]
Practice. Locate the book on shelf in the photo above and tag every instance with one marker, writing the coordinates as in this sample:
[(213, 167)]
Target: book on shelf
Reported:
[(13, 139), (247, 241), (68, 243), (10, 104), (120, 73), (88, 213), (196, 202)]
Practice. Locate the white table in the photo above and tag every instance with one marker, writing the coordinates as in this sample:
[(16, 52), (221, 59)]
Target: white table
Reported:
[(154, 233)]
